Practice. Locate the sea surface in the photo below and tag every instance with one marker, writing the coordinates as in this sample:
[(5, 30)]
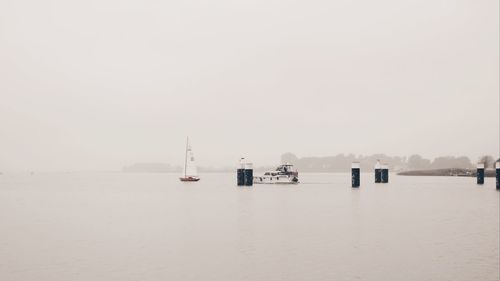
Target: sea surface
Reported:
[(125, 226)]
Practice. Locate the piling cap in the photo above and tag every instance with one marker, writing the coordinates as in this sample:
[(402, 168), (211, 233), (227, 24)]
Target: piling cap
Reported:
[(242, 163), (497, 165), (355, 165), (248, 166), (377, 165), (480, 165)]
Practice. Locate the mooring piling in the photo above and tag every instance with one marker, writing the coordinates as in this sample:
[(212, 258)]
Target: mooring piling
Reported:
[(497, 173), (384, 173), (248, 174), (480, 173), (240, 173), (355, 174), (378, 172)]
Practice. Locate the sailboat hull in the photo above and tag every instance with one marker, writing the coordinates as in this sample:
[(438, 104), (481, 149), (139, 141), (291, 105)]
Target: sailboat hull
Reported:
[(189, 179)]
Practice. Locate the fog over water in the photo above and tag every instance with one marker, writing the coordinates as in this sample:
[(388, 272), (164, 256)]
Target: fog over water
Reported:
[(96, 85)]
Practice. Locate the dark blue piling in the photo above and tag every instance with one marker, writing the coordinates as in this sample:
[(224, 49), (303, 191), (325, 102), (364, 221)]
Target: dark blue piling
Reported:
[(384, 174), (356, 173), (497, 168), (240, 174), (248, 174), (480, 173), (378, 173)]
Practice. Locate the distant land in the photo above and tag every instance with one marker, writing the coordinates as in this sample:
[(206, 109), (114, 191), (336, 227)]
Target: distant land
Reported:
[(342, 162), (413, 165), (155, 167), (151, 167), (448, 173)]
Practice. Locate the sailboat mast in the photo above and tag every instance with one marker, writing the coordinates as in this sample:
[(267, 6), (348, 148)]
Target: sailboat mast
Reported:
[(186, 158)]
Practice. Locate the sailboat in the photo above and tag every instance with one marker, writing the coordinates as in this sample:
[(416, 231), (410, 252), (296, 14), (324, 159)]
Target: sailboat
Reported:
[(190, 172)]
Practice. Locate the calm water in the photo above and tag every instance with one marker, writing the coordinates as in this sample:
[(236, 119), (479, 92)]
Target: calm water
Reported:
[(114, 226)]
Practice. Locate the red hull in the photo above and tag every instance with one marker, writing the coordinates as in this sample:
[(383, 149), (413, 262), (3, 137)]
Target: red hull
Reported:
[(189, 179)]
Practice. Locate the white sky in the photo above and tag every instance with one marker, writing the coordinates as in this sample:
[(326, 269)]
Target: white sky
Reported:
[(102, 84)]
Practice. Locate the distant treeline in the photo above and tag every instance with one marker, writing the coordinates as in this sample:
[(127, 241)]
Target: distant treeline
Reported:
[(342, 162), (338, 163), (151, 168), (448, 172)]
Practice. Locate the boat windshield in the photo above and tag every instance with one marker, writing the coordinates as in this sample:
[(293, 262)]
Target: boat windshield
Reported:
[(284, 168)]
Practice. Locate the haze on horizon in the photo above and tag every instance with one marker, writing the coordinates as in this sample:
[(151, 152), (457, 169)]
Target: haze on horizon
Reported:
[(96, 85)]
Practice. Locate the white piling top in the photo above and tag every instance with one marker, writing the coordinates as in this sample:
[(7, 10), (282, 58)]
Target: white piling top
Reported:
[(498, 165), (377, 165), (480, 165), (355, 165), (248, 166)]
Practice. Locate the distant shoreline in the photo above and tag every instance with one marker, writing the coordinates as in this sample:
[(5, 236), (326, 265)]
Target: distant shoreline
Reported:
[(447, 173)]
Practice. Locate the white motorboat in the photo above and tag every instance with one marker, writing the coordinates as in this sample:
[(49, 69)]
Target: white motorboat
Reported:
[(284, 174)]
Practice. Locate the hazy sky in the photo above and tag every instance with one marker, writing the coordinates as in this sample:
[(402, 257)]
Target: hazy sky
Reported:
[(90, 85)]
